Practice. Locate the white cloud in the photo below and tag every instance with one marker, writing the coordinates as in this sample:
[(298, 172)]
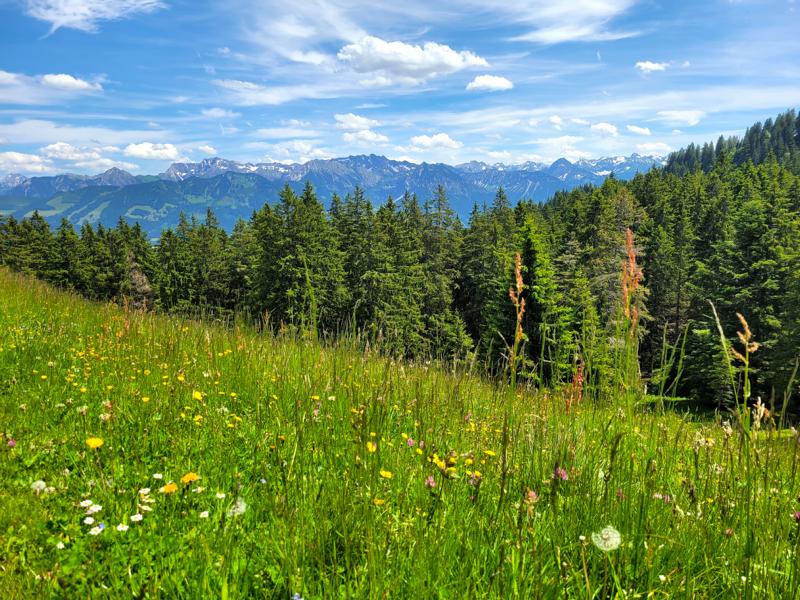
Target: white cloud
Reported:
[(647, 66), (149, 150), (681, 117), (556, 121), (219, 113), (19, 162), (364, 136), (490, 83), (295, 151), (86, 14), (286, 133), (655, 148), (604, 129), (207, 149), (247, 93), (62, 81), (438, 140), (357, 122), (65, 151), (38, 131), (638, 130), (579, 121), (398, 62), (104, 164)]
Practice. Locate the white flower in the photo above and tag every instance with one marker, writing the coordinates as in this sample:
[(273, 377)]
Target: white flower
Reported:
[(38, 486), (662, 578), (608, 539), (94, 508), (204, 514), (144, 507), (158, 476), (136, 518), (144, 491), (220, 495), (60, 545), (96, 530), (237, 509), (198, 490), (89, 520), (122, 527), (86, 503)]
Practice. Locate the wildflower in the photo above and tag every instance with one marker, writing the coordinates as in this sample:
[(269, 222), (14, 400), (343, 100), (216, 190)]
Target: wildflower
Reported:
[(198, 490), (560, 473), (386, 474), (796, 515), (220, 495), (430, 482), (531, 497), (122, 527), (197, 395), (170, 488), (378, 501), (158, 476), (89, 521), (238, 508), (204, 514), (608, 539), (97, 530), (490, 453), (38, 486), (190, 477), (372, 447), (145, 399), (105, 417), (60, 546), (85, 503), (662, 578), (93, 508), (82, 410), (296, 596), (136, 518), (12, 443), (475, 478), (410, 442), (94, 442), (144, 491)]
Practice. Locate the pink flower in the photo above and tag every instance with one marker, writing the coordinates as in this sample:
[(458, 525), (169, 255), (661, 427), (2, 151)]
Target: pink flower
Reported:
[(796, 515), (410, 442), (430, 482), (560, 473), (12, 443), (531, 497)]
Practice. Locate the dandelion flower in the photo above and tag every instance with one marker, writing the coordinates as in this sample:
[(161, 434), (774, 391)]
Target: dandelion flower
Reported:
[(197, 395), (608, 539), (170, 488), (136, 518), (190, 477), (372, 447), (94, 442), (386, 474), (122, 527), (238, 508), (38, 486), (378, 501)]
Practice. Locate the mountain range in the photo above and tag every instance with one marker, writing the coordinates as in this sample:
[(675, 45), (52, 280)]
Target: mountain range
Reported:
[(234, 189)]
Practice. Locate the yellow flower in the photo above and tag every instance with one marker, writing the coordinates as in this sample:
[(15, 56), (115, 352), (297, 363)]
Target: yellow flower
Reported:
[(386, 474), (145, 399), (378, 501), (181, 377), (170, 488), (94, 442), (197, 395), (490, 453), (190, 477), (372, 447)]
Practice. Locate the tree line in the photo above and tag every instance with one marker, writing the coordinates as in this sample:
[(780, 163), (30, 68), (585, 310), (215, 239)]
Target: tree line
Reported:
[(410, 278)]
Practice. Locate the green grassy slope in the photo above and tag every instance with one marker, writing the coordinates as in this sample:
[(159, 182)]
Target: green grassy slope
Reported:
[(313, 464)]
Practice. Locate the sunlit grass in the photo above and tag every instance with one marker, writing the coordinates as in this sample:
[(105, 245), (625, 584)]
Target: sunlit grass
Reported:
[(278, 466)]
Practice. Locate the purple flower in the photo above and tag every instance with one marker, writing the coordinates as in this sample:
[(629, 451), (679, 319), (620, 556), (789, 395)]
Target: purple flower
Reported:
[(430, 482), (796, 515), (410, 442), (560, 473), (12, 443)]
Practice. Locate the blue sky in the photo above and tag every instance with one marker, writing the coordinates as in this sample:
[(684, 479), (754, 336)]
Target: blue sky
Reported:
[(90, 84)]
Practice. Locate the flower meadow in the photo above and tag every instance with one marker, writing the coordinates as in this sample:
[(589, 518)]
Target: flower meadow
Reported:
[(148, 456)]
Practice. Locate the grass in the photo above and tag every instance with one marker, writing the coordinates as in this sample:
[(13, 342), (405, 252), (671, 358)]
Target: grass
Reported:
[(326, 457)]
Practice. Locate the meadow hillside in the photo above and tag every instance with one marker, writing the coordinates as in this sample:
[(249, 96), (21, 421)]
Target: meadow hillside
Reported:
[(154, 456)]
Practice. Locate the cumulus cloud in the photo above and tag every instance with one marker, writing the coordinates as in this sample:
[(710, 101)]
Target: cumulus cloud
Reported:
[(364, 136), (207, 149), (647, 66), (218, 113), (65, 151), (490, 83), (149, 150), (438, 140), (653, 148), (62, 81), (605, 129), (556, 121), (681, 117), (85, 15), (20, 162), (398, 62), (638, 130), (354, 122)]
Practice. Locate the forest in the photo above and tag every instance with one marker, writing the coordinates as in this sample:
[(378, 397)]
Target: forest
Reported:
[(717, 229)]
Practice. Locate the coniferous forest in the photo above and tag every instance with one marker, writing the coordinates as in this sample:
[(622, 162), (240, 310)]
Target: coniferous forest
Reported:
[(720, 224)]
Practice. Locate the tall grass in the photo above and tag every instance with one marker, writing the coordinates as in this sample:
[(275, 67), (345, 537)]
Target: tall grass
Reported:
[(348, 474)]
